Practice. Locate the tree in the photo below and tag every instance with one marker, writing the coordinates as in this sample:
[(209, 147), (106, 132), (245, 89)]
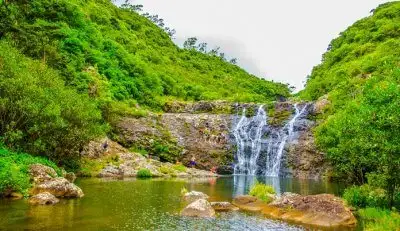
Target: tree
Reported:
[(202, 47), (233, 61), (190, 43)]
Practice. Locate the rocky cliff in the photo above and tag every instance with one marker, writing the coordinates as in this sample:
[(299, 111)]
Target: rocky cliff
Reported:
[(203, 130)]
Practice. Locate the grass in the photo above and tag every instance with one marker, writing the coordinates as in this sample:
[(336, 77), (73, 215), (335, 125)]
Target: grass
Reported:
[(262, 191), (90, 167), (14, 170), (379, 219), (144, 173), (179, 167)]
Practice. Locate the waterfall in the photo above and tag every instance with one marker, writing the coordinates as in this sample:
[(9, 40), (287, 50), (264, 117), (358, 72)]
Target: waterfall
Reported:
[(254, 136), (248, 134)]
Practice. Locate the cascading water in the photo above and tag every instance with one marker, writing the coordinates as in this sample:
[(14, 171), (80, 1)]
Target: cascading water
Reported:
[(248, 134), (254, 137)]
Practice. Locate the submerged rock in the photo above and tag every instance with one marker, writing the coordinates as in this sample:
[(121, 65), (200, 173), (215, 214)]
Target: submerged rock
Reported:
[(223, 206), (193, 196), (248, 203), (199, 208), (43, 199)]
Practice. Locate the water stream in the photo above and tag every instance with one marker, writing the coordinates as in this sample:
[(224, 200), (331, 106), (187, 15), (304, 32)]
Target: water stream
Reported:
[(255, 137)]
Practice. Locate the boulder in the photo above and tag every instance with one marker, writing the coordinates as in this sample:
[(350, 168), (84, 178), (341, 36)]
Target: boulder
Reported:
[(43, 199), (199, 208), (70, 176), (321, 104), (324, 210), (223, 206), (41, 173), (194, 196), (248, 203), (59, 187), (110, 171)]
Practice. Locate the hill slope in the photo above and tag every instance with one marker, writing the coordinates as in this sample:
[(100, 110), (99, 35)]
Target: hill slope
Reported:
[(96, 43), (360, 76)]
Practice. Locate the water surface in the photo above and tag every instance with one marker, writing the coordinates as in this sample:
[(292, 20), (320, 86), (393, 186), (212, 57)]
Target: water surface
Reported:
[(134, 204)]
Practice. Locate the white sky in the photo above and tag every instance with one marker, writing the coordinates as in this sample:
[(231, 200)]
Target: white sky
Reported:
[(277, 40)]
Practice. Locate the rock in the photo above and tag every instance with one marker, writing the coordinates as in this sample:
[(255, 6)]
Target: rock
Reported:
[(199, 208), (323, 210), (193, 196), (223, 206), (321, 104), (41, 173), (59, 187), (110, 171), (70, 176), (225, 170), (43, 199), (16, 195), (248, 203)]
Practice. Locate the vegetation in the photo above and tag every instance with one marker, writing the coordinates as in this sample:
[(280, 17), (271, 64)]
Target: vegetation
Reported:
[(144, 173), (14, 168), (360, 74), (262, 191), (379, 220)]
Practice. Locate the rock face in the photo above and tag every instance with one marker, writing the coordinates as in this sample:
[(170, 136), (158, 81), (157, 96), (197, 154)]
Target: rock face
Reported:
[(248, 203), (43, 199), (223, 206), (194, 196), (199, 208), (45, 180)]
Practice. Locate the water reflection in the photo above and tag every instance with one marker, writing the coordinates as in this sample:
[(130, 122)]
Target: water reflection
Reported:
[(243, 183)]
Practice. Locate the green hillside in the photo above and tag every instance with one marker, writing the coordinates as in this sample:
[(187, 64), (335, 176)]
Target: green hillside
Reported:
[(95, 43), (360, 130)]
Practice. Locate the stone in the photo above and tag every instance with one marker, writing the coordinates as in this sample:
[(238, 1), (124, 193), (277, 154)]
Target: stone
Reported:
[(16, 195), (193, 196), (70, 176), (199, 208), (59, 187), (43, 199), (321, 104), (223, 206), (41, 173), (248, 203), (110, 171), (324, 210)]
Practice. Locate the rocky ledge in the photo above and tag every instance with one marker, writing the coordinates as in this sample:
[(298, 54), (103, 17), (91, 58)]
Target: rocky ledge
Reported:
[(323, 210), (118, 162)]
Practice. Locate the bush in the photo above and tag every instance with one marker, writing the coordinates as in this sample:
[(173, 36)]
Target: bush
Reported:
[(144, 173), (365, 196), (14, 168), (166, 170), (262, 191), (179, 167), (375, 219)]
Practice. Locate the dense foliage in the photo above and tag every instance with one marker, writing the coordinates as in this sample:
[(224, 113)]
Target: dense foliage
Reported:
[(14, 169), (360, 73), (115, 53), (39, 114), (379, 220)]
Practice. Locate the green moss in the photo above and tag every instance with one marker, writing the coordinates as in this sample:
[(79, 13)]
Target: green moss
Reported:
[(262, 191), (92, 167), (180, 167), (144, 173)]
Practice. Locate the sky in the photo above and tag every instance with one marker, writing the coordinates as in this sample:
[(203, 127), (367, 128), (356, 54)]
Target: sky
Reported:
[(276, 40)]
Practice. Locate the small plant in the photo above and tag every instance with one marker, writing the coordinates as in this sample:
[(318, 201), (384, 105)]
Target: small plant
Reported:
[(184, 191), (179, 167), (166, 170), (262, 192), (144, 173)]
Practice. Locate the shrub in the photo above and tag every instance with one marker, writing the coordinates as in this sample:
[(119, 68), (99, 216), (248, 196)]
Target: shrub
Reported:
[(379, 220), (365, 196), (179, 167), (144, 173), (262, 191), (14, 169), (166, 170)]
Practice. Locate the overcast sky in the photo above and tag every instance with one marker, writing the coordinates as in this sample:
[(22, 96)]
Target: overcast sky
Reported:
[(277, 40)]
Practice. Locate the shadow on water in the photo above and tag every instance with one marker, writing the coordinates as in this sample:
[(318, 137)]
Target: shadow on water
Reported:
[(153, 204)]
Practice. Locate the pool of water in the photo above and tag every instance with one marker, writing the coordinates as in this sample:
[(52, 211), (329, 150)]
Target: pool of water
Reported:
[(154, 204)]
